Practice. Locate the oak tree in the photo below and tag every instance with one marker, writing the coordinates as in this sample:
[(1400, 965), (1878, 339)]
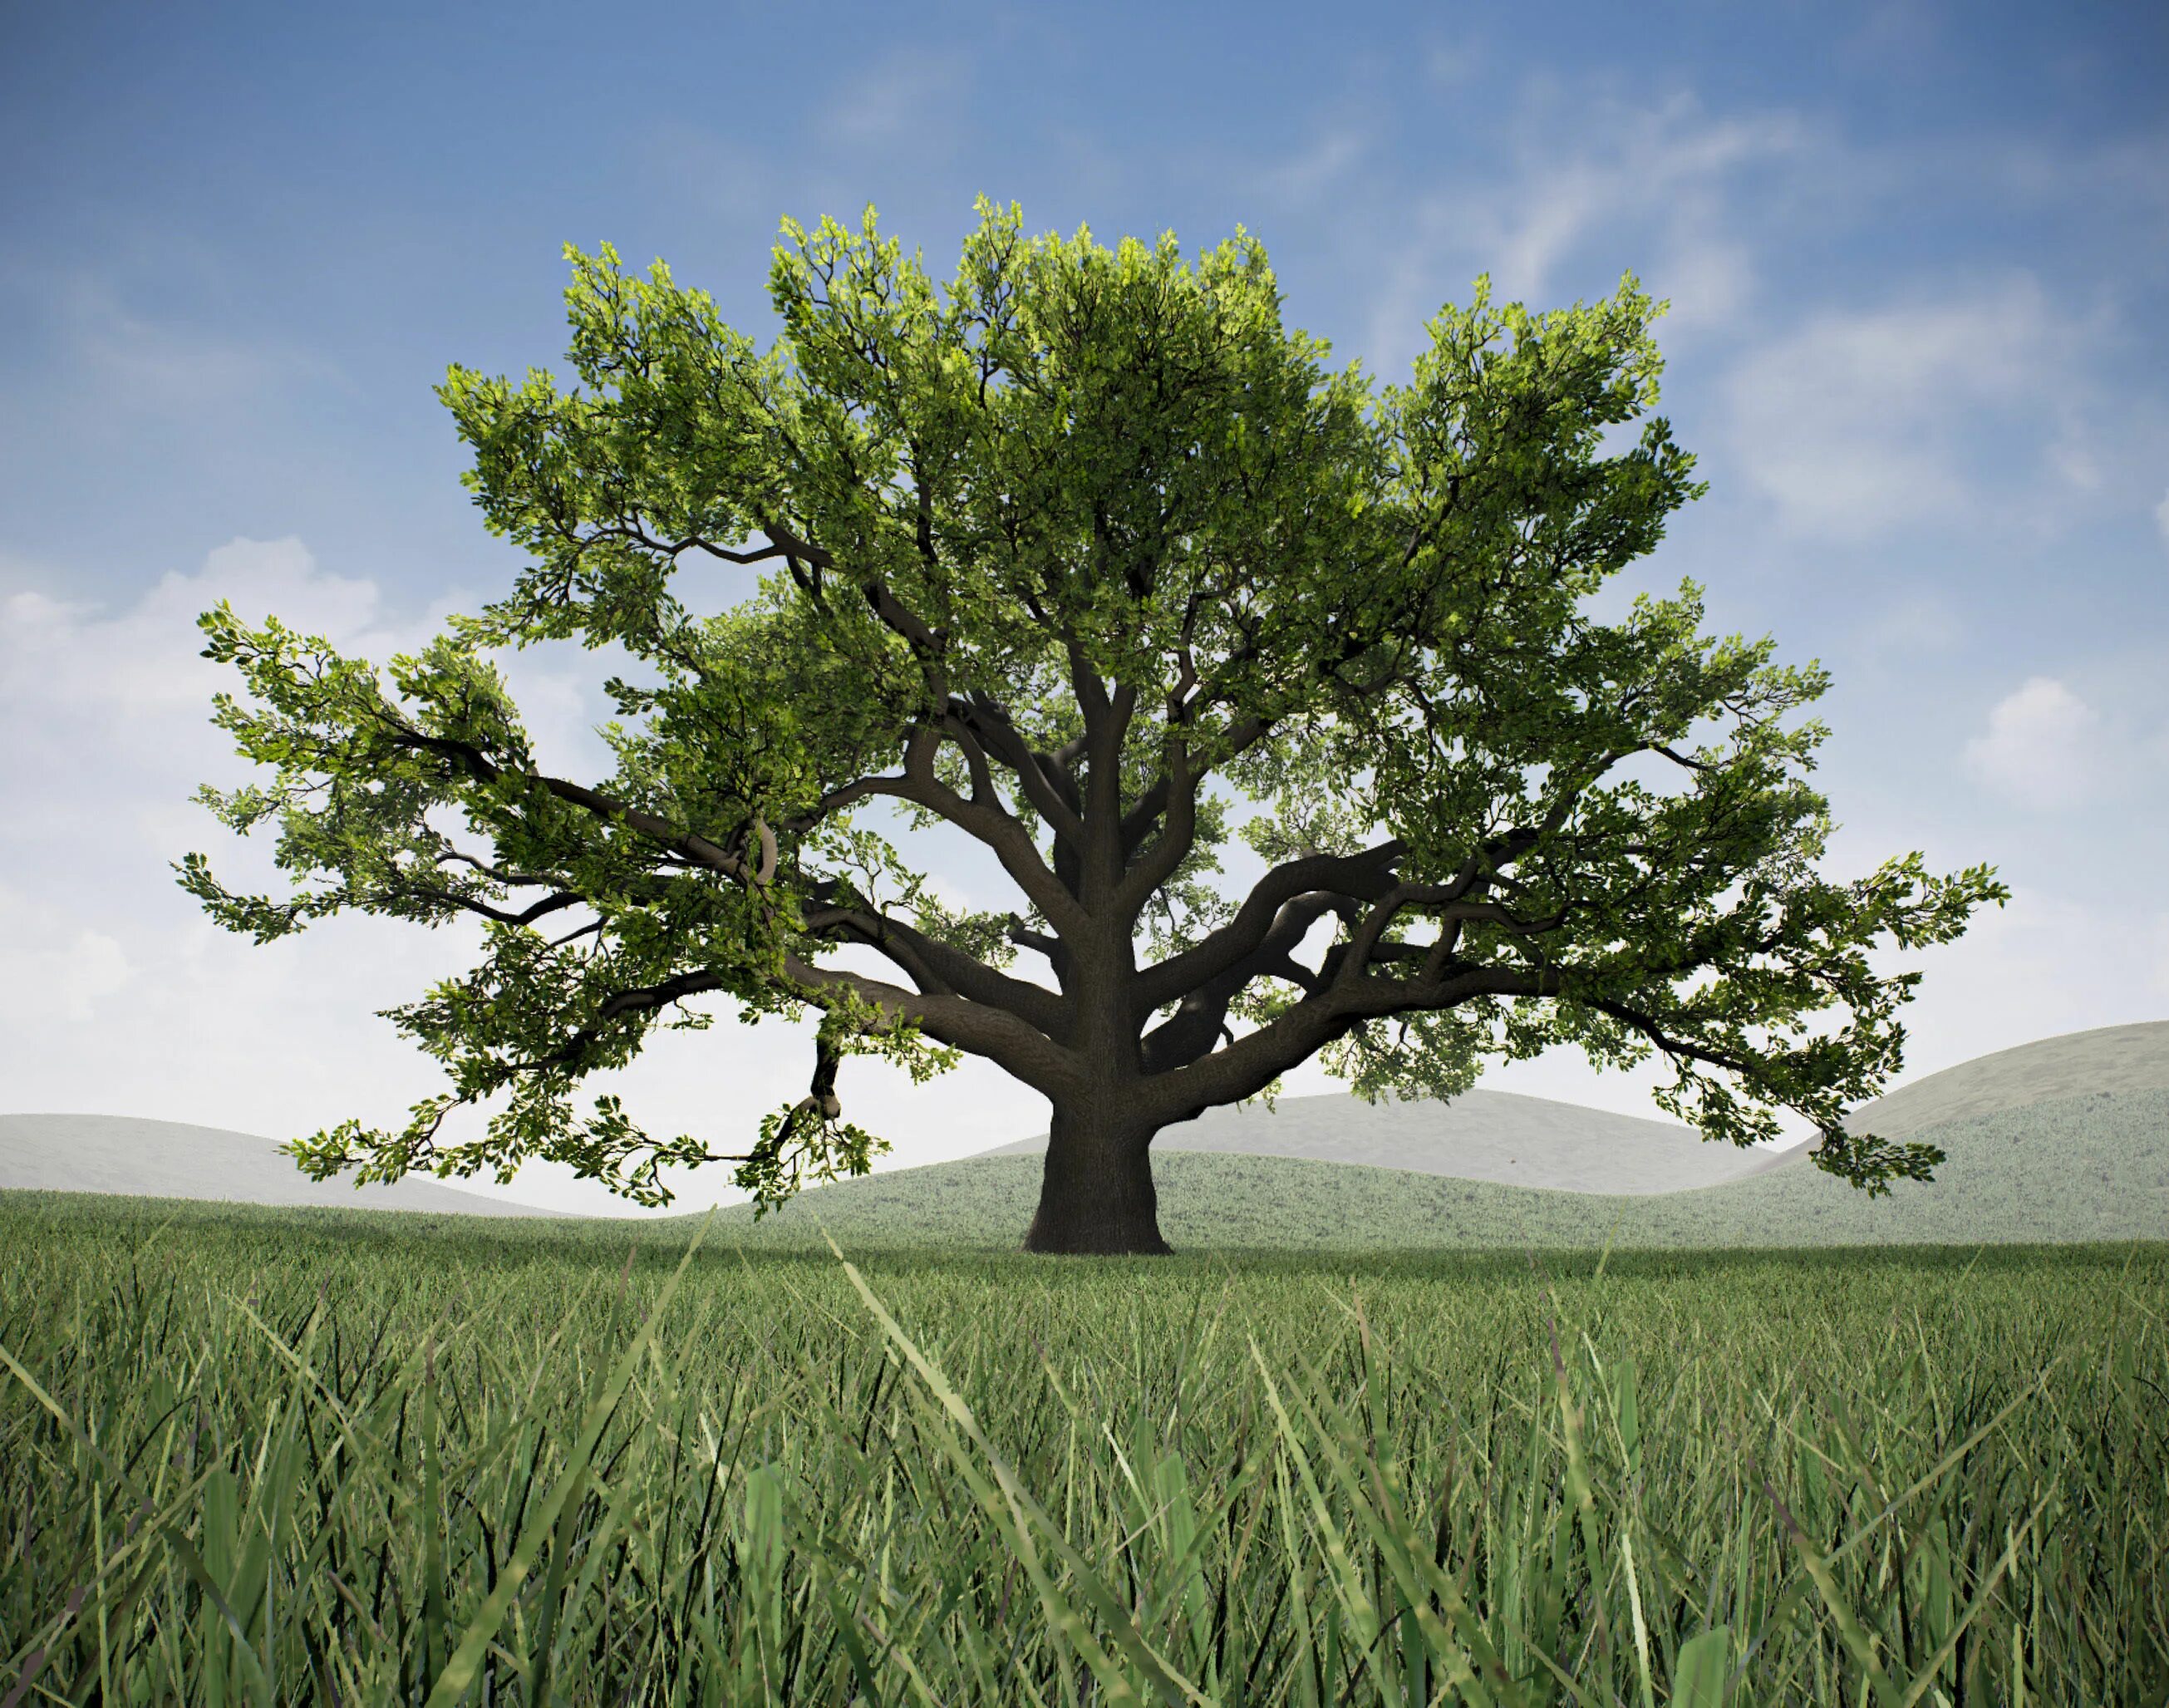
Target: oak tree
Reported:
[(1052, 553)]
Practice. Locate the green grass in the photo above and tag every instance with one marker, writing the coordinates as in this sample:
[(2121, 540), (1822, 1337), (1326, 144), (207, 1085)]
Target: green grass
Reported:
[(2090, 1168), (266, 1456)]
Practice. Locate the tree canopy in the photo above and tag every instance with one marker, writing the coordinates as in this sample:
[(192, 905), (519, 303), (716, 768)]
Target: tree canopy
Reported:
[(1057, 547)]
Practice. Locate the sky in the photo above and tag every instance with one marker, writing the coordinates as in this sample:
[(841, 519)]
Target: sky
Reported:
[(1918, 261)]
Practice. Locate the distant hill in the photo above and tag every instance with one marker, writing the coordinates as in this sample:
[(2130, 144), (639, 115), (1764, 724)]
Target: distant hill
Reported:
[(1501, 1136), (1518, 1140), (172, 1159), (2064, 1139), (2067, 1138), (2108, 1058), (2087, 1168)]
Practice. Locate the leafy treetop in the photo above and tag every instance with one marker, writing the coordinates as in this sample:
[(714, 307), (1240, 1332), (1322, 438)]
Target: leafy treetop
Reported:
[(1165, 548)]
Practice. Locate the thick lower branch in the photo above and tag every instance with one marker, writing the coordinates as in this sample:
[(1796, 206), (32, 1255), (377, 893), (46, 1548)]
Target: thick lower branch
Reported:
[(1251, 1063), (1191, 1031), (941, 970), (1364, 877), (1012, 1044)]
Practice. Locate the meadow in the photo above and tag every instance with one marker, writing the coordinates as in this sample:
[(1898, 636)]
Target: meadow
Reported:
[(250, 1456)]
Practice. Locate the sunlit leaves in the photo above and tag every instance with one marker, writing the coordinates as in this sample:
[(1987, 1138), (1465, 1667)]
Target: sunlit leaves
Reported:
[(1072, 472)]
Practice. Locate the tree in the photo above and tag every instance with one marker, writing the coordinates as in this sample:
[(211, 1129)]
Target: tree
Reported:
[(1157, 553)]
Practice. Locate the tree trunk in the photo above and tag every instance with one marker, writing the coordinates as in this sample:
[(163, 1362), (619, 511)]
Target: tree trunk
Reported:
[(1095, 1196)]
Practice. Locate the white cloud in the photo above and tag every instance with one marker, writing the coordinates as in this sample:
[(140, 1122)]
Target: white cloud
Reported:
[(2043, 749), (47, 973), (131, 692), (19, 573), (1659, 166), (1853, 422), (1850, 423), (1949, 400), (2072, 455), (2161, 518), (1708, 280), (1530, 238)]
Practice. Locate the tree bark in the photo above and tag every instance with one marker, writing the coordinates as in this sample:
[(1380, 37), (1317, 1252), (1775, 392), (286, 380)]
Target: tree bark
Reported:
[(1095, 1195)]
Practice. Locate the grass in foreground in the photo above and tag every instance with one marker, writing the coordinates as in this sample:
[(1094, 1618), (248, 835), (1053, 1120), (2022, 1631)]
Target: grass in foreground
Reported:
[(291, 1456)]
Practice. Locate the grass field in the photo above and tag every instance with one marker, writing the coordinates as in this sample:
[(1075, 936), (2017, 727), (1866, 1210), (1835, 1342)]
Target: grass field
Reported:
[(271, 1456)]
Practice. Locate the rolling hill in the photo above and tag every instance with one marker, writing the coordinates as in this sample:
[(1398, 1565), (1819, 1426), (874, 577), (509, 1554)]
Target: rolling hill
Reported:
[(174, 1159), (2066, 1139), (1500, 1136)]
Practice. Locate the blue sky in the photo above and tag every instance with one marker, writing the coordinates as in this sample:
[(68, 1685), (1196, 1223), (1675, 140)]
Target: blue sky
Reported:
[(1918, 258)]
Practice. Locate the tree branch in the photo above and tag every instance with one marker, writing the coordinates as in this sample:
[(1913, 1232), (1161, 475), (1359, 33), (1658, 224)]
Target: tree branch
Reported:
[(1017, 1048), (638, 1000), (941, 970), (689, 844), (1364, 876), (1254, 1061), (1202, 1017)]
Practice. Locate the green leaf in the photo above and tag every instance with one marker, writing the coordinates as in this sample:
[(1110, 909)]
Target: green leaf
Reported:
[(1701, 1678)]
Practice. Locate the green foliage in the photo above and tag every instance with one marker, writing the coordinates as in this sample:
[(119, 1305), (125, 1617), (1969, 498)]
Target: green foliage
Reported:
[(1063, 549), (250, 1456)]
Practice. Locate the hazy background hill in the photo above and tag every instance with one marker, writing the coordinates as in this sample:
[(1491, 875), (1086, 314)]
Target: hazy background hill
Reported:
[(1500, 1136), (174, 1159), (1534, 1141), (2066, 1139), (2094, 1167)]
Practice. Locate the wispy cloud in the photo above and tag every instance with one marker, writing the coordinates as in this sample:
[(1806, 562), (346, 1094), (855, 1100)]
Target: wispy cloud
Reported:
[(908, 108), (156, 362), (909, 97), (1858, 421), (109, 716), (50, 973), (1310, 175), (1657, 178), (1896, 29)]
